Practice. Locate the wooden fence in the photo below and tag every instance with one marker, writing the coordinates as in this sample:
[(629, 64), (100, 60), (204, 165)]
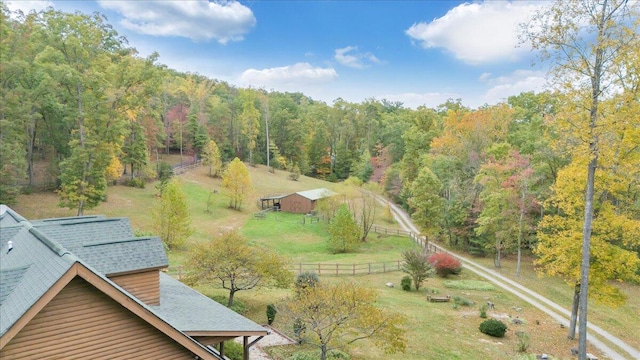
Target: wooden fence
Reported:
[(349, 269), (185, 166)]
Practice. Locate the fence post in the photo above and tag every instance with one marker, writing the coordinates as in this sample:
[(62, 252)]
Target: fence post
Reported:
[(384, 267), (337, 272), (319, 272), (299, 267), (180, 272), (354, 269), (398, 264), (369, 268)]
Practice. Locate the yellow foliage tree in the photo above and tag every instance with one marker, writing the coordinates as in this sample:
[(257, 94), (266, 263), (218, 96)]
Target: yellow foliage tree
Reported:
[(211, 157), (114, 170), (236, 183), (236, 265), (171, 218), (335, 316)]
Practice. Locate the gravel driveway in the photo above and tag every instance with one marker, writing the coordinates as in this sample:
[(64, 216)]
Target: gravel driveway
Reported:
[(552, 309)]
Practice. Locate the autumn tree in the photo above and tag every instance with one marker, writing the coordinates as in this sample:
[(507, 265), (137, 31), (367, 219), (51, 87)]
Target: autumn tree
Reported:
[(507, 201), (211, 157), (587, 42), (337, 315), (236, 183), (425, 201), (235, 264), (171, 219), (344, 232), (250, 120), (366, 212), (416, 264)]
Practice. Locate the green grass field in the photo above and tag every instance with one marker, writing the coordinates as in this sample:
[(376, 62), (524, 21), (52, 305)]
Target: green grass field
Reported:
[(434, 330)]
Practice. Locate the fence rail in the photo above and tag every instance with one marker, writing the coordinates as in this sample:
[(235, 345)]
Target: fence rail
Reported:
[(185, 166), (349, 269)]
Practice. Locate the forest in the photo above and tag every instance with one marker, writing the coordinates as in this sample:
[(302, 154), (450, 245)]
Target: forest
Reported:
[(80, 105)]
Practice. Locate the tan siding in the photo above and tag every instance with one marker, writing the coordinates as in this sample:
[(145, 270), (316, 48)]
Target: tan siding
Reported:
[(83, 323), (145, 285)]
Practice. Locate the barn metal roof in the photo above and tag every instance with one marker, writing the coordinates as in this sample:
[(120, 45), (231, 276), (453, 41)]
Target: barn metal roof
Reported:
[(317, 194)]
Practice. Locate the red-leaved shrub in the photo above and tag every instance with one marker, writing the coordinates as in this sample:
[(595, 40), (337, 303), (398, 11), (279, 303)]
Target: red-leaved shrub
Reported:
[(445, 264)]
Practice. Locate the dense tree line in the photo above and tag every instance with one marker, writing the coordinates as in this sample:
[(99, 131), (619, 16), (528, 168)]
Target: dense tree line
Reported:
[(492, 180)]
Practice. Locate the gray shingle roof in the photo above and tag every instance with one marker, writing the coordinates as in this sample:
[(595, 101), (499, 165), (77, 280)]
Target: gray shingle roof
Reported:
[(107, 244), (27, 272), (189, 310), (9, 217)]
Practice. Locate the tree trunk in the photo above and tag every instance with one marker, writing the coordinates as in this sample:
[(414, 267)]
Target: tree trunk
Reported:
[(497, 260), (591, 175), (586, 255), (520, 231), (231, 294), (574, 313), (323, 352)]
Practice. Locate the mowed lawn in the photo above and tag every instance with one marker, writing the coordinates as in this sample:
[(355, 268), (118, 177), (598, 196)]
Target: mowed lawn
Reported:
[(434, 330)]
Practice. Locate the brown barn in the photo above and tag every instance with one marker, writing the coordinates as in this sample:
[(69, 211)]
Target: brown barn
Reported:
[(85, 287), (304, 202)]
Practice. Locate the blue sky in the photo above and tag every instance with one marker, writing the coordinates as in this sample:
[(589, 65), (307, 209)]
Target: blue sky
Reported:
[(415, 52)]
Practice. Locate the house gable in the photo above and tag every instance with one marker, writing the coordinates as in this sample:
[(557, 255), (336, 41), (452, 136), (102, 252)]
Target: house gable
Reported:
[(98, 288), (82, 322)]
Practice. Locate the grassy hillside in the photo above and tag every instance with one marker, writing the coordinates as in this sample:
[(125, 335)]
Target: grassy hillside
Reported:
[(435, 330)]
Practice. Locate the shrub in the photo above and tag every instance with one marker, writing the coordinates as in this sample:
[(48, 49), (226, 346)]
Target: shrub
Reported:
[(493, 327), (338, 355), (306, 279), (295, 173), (445, 264), (136, 183), (271, 313), (461, 301), (523, 341), (165, 173), (483, 311), (405, 283)]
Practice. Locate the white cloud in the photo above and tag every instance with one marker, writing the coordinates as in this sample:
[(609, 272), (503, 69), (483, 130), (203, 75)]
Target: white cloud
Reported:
[(28, 6), (288, 78), (198, 20), (349, 56), (519, 81), (477, 32), (414, 100)]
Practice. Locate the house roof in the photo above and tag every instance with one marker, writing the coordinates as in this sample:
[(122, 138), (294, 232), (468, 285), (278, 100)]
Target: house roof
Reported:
[(316, 194), (38, 262), (107, 244), (28, 271), (190, 311)]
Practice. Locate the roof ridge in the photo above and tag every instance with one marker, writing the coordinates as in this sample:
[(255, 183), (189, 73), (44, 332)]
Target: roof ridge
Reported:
[(117, 241), (4, 209), (55, 246), (71, 218)]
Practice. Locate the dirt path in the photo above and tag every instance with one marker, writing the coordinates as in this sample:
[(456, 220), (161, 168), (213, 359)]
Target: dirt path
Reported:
[(554, 310)]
